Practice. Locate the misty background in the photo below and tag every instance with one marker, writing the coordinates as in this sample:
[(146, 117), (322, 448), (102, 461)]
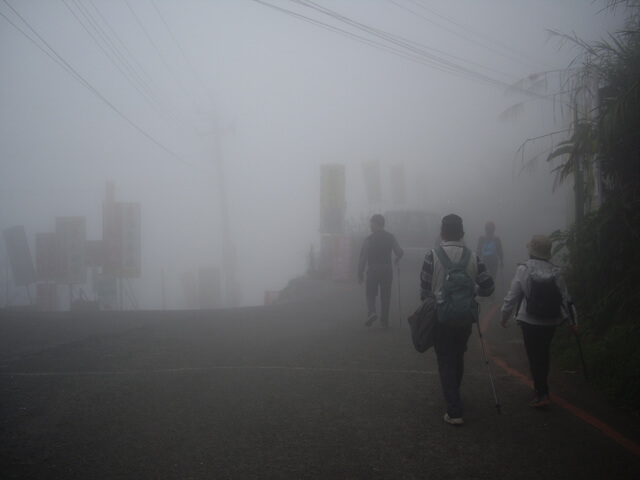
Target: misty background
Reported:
[(167, 99)]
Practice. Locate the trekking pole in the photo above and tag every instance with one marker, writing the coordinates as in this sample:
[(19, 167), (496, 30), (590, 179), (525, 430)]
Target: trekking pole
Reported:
[(584, 366), (573, 314), (399, 304), (486, 361)]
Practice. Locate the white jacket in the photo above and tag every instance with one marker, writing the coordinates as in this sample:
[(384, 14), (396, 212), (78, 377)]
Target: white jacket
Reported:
[(521, 288)]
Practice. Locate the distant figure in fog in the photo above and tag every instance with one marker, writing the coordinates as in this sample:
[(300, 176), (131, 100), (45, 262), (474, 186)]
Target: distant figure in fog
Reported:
[(451, 341), (539, 296), (375, 255), (489, 249)]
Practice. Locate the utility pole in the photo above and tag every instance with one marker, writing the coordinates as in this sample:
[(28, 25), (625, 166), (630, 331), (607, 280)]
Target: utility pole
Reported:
[(228, 249)]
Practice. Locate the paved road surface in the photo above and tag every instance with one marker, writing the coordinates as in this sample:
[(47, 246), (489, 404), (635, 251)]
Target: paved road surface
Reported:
[(286, 392)]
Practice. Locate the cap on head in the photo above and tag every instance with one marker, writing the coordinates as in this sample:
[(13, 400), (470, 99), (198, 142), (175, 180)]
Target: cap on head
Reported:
[(451, 227), (378, 220), (540, 247)]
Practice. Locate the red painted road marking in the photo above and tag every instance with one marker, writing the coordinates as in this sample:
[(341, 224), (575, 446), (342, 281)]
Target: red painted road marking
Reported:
[(578, 412)]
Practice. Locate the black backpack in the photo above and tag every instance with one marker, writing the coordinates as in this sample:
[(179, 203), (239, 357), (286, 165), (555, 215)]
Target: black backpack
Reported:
[(544, 300)]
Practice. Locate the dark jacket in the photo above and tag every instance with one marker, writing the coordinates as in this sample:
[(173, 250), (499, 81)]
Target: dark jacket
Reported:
[(376, 250)]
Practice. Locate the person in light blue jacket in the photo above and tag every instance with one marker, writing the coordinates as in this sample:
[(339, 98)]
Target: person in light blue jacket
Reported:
[(539, 297)]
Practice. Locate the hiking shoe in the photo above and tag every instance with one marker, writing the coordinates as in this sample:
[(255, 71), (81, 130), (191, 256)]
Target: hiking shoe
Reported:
[(372, 318), (453, 421), (540, 401)]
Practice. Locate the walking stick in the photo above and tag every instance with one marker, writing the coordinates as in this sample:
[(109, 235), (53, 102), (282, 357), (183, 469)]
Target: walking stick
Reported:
[(584, 366), (486, 360), (573, 315), (399, 304)]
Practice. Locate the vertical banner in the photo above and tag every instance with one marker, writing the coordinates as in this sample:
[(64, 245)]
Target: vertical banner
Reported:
[(46, 257), (341, 258), (332, 198), (372, 184), (71, 240), (47, 297), (398, 189), (20, 259)]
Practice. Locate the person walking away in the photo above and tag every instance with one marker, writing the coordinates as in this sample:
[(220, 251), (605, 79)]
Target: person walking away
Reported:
[(489, 249), (539, 296), (375, 256), (451, 341)]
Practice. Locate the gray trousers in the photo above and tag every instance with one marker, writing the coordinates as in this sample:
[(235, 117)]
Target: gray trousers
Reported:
[(379, 277)]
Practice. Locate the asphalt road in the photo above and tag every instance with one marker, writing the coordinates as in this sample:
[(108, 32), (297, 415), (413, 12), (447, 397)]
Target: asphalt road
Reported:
[(296, 391)]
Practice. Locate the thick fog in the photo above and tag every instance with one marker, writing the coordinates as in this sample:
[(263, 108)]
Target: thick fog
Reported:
[(194, 108)]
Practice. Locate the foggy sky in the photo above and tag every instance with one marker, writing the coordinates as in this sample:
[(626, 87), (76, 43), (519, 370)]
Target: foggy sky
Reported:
[(286, 95)]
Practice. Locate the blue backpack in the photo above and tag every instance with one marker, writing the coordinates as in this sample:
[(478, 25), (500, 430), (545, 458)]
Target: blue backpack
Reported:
[(489, 248), (455, 302)]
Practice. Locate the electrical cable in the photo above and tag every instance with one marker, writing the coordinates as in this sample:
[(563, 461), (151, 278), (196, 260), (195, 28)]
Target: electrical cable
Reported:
[(443, 63), (516, 54), (155, 47), (186, 58), (157, 106), (58, 59), (415, 57)]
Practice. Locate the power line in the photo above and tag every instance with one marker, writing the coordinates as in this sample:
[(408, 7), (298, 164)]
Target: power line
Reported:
[(57, 58), (153, 44), (186, 59), (405, 50), (434, 60), (138, 83), (466, 28)]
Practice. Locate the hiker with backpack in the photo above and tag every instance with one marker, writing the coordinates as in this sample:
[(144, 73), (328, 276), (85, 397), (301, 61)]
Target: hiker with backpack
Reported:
[(489, 249), (455, 275), (375, 255), (539, 297)]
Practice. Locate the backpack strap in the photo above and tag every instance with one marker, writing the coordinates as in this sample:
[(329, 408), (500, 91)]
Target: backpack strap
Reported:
[(444, 258), (446, 261)]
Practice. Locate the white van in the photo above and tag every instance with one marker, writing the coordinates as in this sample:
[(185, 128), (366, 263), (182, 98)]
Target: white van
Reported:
[(414, 229)]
